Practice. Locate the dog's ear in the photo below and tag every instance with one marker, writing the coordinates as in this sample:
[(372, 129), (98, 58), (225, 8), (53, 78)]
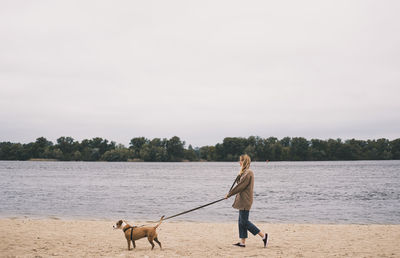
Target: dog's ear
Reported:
[(119, 223)]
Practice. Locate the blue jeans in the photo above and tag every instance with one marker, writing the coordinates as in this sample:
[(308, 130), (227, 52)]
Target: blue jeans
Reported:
[(245, 224)]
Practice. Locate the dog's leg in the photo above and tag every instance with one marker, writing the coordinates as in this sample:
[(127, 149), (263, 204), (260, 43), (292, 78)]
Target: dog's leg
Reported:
[(158, 242), (133, 243), (129, 244), (151, 242)]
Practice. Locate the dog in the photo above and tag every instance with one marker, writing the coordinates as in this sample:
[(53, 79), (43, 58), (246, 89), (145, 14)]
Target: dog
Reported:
[(134, 233)]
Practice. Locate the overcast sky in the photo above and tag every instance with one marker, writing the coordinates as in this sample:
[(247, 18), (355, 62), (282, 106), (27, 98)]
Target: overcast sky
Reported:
[(201, 70)]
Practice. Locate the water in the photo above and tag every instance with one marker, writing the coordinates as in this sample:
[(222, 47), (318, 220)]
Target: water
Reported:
[(285, 192)]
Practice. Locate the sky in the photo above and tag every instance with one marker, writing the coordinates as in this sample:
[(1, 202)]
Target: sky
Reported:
[(200, 70)]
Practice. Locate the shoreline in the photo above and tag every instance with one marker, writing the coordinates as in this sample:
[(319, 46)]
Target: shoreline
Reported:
[(30, 237), (38, 218), (177, 220)]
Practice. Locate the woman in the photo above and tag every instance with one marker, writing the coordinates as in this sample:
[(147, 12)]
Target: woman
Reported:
[(244, 200)]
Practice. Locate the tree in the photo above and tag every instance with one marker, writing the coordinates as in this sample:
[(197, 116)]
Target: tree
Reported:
[(278, 152), (154, 150), (395, 148), (175, 149), (268, 148), (219, 152), (233, 147), (355, 149), (383, 148), (299, 149), (190, 154), (136, 145), (333, 148), (99, 146), (207, 153), (318, 149), (285, 142), (68, 146), (259, 148), (39, 147), (120, 153), (13, 151), (250, 150)]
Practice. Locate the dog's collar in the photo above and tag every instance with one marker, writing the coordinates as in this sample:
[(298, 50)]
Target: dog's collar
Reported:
[(125, 229)]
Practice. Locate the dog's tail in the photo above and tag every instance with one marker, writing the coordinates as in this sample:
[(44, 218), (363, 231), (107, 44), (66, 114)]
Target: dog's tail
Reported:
[(159, 222)]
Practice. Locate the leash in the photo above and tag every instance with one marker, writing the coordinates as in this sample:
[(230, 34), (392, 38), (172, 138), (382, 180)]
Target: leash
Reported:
[(236, 181), (205, 205), (202, 206)]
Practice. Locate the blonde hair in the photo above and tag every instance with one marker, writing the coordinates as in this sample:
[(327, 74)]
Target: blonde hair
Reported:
[(245, 159)]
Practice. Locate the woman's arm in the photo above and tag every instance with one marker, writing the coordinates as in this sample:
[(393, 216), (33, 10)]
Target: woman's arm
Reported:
[(240, 186)]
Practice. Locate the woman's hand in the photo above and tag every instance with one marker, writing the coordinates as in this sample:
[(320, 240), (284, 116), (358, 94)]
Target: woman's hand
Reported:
[(226, 196)]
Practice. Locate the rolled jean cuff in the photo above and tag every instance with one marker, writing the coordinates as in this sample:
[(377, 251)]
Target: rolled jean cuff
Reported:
[(244, 224)]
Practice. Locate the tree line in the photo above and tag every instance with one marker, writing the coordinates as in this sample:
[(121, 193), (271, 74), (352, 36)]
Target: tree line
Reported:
[(174, 149)]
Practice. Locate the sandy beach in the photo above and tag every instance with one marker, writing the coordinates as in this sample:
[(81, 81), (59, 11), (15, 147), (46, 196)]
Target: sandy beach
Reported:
[(91, 238)]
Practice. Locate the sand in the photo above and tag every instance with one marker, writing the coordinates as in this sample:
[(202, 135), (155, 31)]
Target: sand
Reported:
[(81, 238)]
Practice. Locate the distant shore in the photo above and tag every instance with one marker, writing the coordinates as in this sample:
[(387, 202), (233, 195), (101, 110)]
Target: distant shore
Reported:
[(81, 238), (129, 160), (176, 150), (183, 161), (43, 160)]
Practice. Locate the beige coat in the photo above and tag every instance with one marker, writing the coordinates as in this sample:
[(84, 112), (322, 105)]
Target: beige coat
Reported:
[(243, 191)]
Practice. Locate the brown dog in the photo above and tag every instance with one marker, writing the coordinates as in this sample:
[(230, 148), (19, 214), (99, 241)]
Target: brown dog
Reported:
[(134, 233)]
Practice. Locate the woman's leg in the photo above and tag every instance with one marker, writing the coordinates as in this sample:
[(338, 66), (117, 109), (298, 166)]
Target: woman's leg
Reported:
[(243, 219), (253, 229)]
